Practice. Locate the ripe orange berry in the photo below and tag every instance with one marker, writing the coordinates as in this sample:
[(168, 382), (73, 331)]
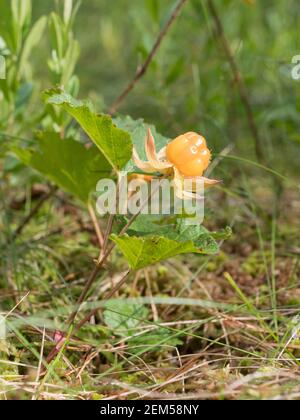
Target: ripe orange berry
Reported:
[(189, 154)]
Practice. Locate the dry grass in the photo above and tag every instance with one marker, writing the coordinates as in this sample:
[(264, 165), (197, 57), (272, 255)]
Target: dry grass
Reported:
[(224, 327)]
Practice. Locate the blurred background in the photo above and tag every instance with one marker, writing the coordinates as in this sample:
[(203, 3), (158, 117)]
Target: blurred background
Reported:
[(190, 84)]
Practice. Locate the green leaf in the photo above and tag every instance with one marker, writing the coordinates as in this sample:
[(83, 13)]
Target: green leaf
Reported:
[(115, 144), (57, 34), (9, 28), (68, 9), (21, 18), (123, 318), (70, 61), (67, 163), (150, 249), (21, 11), (149, 224), (154, 340), (138, 131), (33, 39), (198, 234)]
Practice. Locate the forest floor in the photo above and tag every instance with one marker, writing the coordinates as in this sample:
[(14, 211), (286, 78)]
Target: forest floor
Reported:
[(223, 327)]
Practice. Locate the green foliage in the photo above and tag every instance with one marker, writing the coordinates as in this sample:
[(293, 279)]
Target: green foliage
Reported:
[(67, 163), (32, 41), (124, 318), (156, 340), (138, 131), (167, 242), (21, 43), (14, 22), (128, 320), (65, 51), (18, 40), (115, 144), (189, 85)]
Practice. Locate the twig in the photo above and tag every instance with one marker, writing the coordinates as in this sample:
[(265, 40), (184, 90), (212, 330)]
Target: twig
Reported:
[(152, 303), (238, 80), (144, 67), (85, 291), (108, 232), (96, 226), (110, 224), (34, 211), (107, 297)]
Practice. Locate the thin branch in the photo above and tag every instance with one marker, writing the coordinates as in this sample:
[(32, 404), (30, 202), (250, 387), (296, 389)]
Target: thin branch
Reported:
[(108, 231), (238, 80), (85, 291), (107, 297), (144, 67), (110, 224), (34, 211), (96, 225)]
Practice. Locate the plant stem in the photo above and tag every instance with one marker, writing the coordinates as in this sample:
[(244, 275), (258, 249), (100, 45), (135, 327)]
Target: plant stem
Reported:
[(56, 350), (107, 297), (96, 226), (238, 80), (105, 253)]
